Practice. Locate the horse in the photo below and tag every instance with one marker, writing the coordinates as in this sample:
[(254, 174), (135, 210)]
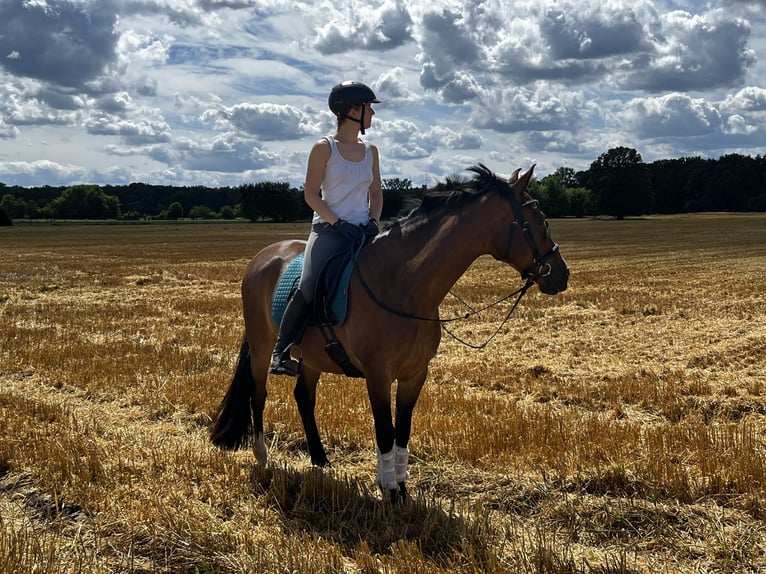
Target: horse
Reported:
[(393, 328)]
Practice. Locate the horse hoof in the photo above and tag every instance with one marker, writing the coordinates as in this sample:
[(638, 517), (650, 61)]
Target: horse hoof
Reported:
[(396, 495)]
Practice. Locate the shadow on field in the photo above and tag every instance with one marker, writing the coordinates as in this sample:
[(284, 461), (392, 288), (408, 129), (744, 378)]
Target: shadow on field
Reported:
[(347, 512)]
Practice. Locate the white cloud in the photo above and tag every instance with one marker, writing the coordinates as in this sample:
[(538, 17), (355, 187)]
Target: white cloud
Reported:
[(672, 115), (693, 52), (266, 121), (749, 99), (527, 109)]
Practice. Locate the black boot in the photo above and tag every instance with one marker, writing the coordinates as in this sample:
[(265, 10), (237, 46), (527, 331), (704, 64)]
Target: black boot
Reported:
[(291, 329)]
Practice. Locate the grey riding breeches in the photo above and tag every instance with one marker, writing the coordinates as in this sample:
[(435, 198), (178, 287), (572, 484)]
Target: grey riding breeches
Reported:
[(323, 243)]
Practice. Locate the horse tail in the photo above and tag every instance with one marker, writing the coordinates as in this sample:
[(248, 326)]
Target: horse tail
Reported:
[(234, 420)]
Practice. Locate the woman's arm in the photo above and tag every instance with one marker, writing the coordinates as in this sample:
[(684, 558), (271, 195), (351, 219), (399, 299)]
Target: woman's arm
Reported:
[(376, 188), (320, 153)]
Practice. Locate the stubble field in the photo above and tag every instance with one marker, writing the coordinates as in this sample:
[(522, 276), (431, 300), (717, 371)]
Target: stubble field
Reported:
[(617, 427)]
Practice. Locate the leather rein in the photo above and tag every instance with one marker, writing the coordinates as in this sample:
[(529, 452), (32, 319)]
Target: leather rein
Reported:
[(539, 268)]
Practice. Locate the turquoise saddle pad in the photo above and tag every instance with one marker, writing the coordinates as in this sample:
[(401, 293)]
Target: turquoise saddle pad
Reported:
[(289, 282)]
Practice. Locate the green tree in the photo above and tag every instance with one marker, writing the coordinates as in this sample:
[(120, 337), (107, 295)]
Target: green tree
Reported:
[(227, 212), (270, 200), (580, 201), (553, 196), (396, 193), (13, 206), (567, 176), (5, 219), (174, 211), (201, 212), (621, 183), (32, 211), (85, 202)]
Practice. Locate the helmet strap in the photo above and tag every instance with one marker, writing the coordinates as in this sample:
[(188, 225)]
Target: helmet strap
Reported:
[(359, 121)]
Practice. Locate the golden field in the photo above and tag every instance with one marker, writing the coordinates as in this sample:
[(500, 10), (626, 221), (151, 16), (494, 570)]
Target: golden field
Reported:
[(617, 427)]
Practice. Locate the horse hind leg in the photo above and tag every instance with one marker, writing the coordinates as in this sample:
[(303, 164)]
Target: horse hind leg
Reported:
[(259, 372), (305, 398)]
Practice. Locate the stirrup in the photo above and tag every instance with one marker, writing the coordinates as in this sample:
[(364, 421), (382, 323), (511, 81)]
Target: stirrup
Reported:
[(284, 364)]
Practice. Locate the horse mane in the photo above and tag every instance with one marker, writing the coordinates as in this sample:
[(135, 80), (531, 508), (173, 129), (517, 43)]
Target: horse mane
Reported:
[(452, 193)]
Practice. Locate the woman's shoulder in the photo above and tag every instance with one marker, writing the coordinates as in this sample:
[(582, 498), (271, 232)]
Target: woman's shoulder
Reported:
[(323, 142), (322, 147)]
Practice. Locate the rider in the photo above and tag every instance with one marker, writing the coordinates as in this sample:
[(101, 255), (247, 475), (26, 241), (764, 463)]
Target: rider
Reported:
[(343, 187)]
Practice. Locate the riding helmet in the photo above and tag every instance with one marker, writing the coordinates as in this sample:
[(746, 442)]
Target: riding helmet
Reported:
[(348, 94)]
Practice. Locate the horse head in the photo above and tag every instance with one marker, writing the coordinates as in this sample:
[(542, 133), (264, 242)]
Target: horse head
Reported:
[(543, 261), (530, 248)]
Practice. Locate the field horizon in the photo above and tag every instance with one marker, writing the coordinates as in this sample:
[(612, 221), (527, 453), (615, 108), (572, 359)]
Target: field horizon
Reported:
[(617, 427)]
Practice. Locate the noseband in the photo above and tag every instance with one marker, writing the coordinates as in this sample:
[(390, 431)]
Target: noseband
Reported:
[(540, 267)]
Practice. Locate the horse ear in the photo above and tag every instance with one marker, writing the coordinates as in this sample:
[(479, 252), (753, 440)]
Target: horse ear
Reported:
[(521, 183), (514, 176)]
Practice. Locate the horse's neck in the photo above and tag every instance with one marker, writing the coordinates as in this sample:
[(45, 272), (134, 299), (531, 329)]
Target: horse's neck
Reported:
[(423, 264)]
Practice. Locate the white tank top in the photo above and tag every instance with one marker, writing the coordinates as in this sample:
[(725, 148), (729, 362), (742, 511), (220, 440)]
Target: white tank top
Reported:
[(346, 185)]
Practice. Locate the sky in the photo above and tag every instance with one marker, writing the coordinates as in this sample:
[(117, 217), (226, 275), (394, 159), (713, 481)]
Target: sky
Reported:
[(226, 92)]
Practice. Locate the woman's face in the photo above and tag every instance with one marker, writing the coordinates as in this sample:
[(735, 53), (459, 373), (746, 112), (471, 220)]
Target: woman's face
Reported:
[(356, 113)]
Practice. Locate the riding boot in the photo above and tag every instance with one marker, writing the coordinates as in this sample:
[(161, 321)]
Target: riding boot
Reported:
[(291, 330)]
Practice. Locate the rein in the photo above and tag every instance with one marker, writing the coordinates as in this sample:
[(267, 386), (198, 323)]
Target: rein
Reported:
[(519, 293), (543, 269)]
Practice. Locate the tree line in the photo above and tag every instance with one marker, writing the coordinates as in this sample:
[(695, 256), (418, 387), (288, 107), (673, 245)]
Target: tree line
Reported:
[(617, 184)]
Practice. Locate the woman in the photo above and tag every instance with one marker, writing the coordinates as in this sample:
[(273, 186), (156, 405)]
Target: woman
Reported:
[(343, 188)]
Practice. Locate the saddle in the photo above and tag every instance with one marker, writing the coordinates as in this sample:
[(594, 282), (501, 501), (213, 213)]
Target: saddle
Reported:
[(330, 306)]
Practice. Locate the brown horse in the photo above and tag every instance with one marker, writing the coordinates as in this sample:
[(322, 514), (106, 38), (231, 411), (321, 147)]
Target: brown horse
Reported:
[(393, 328)]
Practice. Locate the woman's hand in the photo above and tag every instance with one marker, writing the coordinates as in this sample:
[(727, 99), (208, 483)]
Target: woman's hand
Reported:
[(371, 229), (348, 230)]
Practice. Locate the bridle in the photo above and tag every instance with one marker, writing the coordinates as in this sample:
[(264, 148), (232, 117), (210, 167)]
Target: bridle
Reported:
[(540, 268)]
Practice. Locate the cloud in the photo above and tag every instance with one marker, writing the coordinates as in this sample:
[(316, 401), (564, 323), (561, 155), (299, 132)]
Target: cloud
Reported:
[(405, 140), (394, 84), (447, 48), (141, 126), (452, 139), (692, 52), (672, 115), (31, 173), (27, 102), (524, 109), (7, 131), (360, 25), (589, 34), (266, 121), (67, 43), (749, 99)]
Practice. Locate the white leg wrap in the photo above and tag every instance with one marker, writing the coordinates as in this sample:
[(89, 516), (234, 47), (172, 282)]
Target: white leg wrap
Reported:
[(387, 470), (402, 459)]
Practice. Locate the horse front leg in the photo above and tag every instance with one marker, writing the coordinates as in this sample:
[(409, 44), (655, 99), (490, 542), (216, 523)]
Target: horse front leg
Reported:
[(379, 391), (305, 398), (407, 393)]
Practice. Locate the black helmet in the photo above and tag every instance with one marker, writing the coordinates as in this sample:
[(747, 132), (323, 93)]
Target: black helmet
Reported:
[(348, 94)]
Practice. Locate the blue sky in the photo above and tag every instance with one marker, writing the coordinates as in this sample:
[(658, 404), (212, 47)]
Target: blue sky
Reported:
[(223, 92)]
